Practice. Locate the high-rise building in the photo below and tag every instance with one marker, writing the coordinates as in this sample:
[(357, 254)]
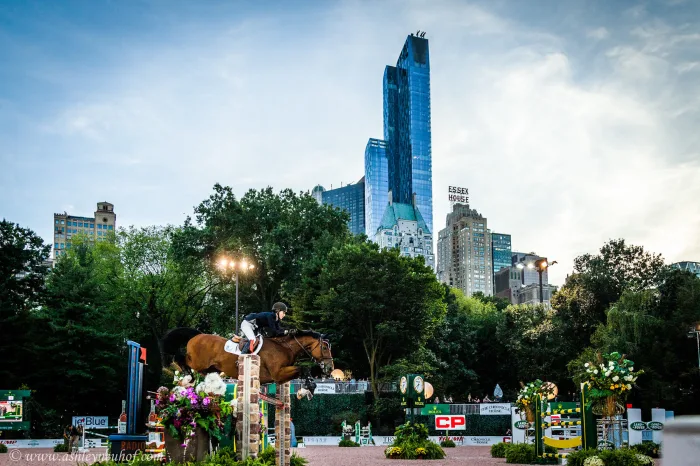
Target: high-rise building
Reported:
[(66, 227), (692, 267), (350, 198), (507, 283), (407, 127), (403, 227), (530, 274), (464, 252), (376, 185), (317, 193), (500, 253)]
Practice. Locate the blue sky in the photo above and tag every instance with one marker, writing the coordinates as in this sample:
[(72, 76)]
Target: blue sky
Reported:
[(570, 122)]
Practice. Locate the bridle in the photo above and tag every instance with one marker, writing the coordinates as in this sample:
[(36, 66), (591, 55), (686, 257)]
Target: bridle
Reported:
[(325, 345)]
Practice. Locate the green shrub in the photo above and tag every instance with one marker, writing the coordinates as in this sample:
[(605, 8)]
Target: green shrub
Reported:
[(499, 450), (520, 453), (648, 448), (3, 448), (622, 457), (295, 460), (60, 448), (447, 443), (226, 455), (411, 442), (576, 458), (348, 443)]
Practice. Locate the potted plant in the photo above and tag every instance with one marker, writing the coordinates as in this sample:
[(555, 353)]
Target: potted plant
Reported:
[(609, 379), (529, 394), (191, 413)]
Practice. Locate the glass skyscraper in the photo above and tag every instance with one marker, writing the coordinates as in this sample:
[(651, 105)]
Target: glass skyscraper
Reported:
[(501, 252), (376, 185), (350, 198), (407, 127)]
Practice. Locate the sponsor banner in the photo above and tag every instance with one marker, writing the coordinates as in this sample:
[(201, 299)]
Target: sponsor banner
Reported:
[(91, 422), (388, 440), (494, 409), (324, 388), (314, 441), (31, 443), (456, 422), (435, 409)]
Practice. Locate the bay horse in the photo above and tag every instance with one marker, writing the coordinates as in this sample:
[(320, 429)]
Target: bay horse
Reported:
[(205, 353)]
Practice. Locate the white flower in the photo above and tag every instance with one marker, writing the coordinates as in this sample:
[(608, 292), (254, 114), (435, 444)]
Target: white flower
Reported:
[(611, 364), (607, 374), (631, 369), (593, 461), (602, 366), (616, 378), (595, 371), (586, 365), (629, 387)]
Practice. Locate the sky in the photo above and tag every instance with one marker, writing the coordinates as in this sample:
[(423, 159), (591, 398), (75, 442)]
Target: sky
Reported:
[(571, 123)]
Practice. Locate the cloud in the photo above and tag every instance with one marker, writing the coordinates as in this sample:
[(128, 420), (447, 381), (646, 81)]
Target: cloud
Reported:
[(561, 150), (598, 33)]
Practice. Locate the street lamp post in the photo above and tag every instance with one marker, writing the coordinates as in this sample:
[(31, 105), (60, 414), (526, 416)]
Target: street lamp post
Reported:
[(696, 332), (541, 265), (236, 267)]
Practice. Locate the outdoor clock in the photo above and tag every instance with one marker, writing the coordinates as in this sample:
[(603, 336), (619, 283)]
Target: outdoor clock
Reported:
[(403, 385), (418, 384)]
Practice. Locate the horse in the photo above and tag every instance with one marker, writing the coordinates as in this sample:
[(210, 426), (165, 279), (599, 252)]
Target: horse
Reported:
[(205, 353)]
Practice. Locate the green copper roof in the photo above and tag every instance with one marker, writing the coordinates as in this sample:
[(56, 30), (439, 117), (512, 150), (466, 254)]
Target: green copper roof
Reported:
[(395, 212)]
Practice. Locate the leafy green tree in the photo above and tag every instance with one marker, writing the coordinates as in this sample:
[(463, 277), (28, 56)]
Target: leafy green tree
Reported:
[(156, 291), (80, 364), (379, 305), (278, 233), (651, 327), (499, 303), (599, 281), (22, 271)]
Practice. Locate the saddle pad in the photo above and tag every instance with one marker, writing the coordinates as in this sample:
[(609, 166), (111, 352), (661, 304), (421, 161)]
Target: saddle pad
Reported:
[(234, 348)]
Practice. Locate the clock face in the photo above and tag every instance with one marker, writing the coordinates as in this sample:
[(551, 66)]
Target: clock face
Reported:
[(403, 385), (418, 384)]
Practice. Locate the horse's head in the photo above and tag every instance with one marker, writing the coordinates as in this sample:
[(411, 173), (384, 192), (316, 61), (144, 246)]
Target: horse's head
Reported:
[(319, 348)]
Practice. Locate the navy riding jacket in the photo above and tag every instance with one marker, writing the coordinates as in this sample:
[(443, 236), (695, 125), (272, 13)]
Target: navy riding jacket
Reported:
[(266, 319)]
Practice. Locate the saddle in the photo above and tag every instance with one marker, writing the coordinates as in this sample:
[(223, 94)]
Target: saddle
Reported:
[(236, 344)]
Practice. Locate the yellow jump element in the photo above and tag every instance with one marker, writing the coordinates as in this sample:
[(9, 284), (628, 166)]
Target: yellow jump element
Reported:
[(570, 443)]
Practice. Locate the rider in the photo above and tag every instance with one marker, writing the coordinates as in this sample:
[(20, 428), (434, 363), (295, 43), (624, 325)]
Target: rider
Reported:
[(267, 323)]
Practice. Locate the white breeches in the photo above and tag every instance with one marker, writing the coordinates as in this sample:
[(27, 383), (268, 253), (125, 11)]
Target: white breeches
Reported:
[(248, 330)]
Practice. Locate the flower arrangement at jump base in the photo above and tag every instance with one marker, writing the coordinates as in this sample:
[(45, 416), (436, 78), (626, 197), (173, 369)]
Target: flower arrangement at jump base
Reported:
[(412, 442), (529, 394), (192, 406), (610, 379)]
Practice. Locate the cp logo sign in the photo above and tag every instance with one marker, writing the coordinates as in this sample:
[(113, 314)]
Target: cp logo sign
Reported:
[(450, 423)]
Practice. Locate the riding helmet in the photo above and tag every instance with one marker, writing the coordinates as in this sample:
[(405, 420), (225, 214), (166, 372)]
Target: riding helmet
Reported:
[(279, 307)]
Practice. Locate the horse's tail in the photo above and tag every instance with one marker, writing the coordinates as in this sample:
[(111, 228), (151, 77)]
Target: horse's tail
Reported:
[(176, 339)]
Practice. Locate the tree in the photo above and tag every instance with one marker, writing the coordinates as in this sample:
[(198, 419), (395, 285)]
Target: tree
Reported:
[(651, 328), (379, 305), (598, 282), (22, 272), (279, 233), (79, 368)]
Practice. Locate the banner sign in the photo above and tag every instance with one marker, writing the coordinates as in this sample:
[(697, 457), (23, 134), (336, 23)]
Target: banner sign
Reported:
[(435, 409), (494, 409), (32, 443), (324, 388), (386, 440), (443, 422), (91, 422)]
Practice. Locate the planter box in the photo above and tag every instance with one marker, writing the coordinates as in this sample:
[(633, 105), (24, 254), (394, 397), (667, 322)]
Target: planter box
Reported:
[(197, 448)]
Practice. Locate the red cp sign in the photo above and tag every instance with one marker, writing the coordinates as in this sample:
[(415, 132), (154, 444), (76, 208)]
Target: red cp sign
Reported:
[(450, 422)]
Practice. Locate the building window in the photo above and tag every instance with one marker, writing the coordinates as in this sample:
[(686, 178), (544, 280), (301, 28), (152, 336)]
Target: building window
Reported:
[(63, 222), (110, 227), (80, 224), (99, 226), (75, 224)]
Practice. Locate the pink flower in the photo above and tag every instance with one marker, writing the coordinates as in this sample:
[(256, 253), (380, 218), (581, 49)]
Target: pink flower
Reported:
[(206, 401)]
